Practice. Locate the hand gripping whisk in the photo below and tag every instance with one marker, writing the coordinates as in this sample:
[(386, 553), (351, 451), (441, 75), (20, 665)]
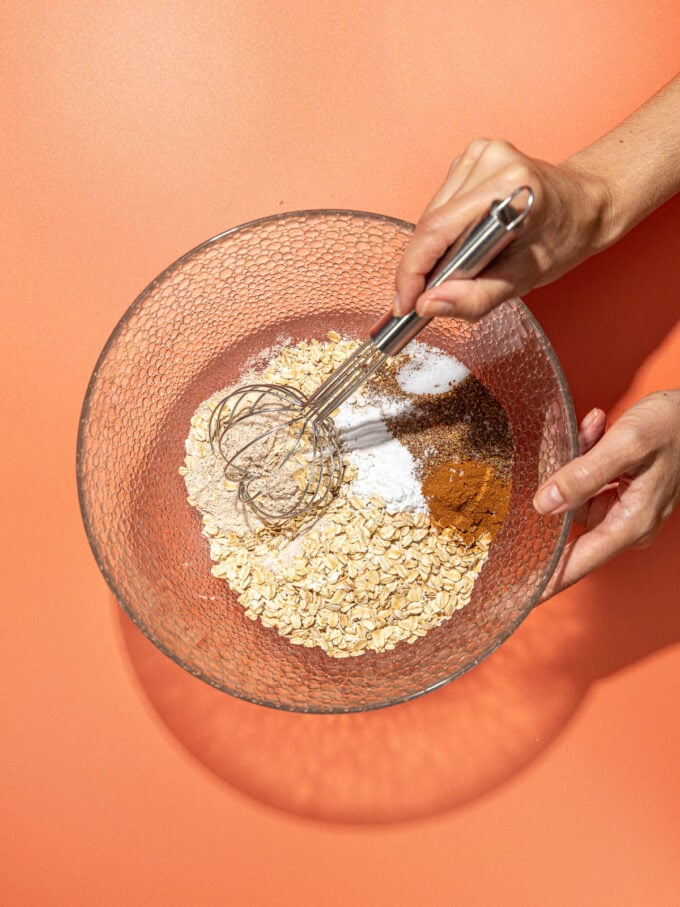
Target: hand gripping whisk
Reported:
[(282, 448)]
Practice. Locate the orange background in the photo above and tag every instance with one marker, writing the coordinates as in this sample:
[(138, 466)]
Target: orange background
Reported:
[(130, 133)]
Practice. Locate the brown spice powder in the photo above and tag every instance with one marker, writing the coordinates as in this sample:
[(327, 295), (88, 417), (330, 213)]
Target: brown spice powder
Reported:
[(465, 422), (468, 496)]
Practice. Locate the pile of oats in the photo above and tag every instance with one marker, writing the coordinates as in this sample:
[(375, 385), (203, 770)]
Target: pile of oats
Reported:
[(358, 578)]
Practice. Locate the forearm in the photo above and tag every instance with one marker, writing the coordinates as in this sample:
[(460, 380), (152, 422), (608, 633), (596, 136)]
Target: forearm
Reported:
[(581, 207), (636, 165)]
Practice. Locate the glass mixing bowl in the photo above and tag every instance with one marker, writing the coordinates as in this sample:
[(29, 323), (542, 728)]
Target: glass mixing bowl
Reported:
[(188, 334)]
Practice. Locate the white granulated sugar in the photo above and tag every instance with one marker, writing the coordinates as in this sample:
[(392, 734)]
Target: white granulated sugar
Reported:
[(430, 371), (385, 467)]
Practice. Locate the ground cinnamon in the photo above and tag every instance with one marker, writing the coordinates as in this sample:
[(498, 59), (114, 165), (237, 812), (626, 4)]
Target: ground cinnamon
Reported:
[(468, 496)]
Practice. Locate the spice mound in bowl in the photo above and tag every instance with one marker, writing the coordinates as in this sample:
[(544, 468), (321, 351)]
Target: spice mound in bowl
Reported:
[(427, 465)]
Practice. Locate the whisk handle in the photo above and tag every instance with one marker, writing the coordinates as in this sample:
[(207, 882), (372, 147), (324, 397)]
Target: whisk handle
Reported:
[(466, 258)]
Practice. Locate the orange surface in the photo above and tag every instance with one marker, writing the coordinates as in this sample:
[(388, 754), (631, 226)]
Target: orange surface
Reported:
[(133, 131)]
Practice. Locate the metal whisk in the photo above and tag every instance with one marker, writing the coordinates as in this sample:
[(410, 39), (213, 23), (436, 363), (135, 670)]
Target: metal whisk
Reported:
[(282, 448)]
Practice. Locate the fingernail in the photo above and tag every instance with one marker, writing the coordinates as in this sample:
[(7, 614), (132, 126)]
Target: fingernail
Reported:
[(396, 305), (438, 307), (548, 499)]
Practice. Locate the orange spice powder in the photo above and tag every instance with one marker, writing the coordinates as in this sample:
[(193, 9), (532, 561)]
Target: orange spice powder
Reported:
[(467, 496)]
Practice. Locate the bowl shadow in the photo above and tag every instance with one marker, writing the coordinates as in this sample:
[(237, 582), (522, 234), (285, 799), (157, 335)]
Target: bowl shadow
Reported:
[(404, 762), (444, 750)]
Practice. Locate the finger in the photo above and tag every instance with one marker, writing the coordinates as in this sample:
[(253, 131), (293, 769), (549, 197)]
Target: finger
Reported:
[(599, 506), (481, 160), (448, 187), (467, 299), (591, 430), (505, 278), (458, 171), (615, 533), (434, 233), (618, 453), (492, 158)]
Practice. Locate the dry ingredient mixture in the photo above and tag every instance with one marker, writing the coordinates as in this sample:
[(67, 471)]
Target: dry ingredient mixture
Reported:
[(427, 455)]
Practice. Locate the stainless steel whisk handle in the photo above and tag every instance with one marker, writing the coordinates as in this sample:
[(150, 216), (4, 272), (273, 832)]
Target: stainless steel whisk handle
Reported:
[(466, 258)]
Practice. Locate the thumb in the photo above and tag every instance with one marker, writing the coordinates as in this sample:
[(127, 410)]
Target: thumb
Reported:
[(579, 481)]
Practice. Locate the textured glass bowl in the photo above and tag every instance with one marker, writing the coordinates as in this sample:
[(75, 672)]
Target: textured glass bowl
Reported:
[(187, 335)]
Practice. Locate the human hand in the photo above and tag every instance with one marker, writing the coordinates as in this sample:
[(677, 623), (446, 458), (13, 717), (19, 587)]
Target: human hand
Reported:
[(567, 224), (623, 486), (580, 207)]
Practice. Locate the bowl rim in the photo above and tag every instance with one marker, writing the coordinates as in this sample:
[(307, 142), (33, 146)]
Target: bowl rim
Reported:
[(315, 213)]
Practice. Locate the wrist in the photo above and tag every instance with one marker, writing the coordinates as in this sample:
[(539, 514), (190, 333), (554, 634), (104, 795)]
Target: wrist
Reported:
[(603, 200), (635, 164)]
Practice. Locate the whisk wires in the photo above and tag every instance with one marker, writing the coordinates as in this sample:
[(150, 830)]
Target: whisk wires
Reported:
[(282, 448)]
